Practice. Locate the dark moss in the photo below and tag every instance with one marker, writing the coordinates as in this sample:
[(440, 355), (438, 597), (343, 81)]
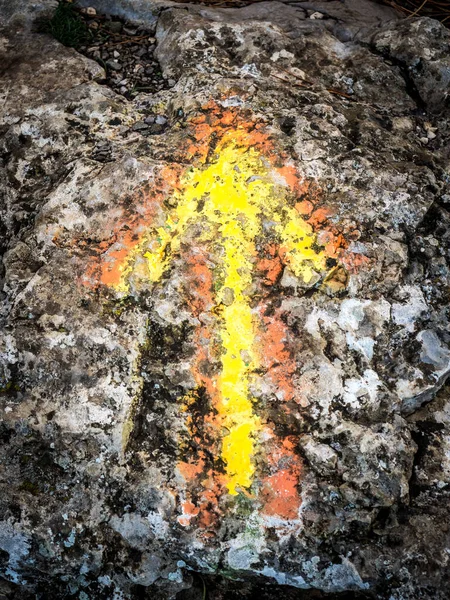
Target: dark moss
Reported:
[(67, 26)]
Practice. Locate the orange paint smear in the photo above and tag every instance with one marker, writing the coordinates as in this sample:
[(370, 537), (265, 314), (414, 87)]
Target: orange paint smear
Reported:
[(191, 471), (203, 487), (275, 355), (189, 511), (304, 208), (290, 175), (217, 126), (280, 490), (199, 279), (204, 513), (271, 267), (208, 504), (336, 240), (128, 230)]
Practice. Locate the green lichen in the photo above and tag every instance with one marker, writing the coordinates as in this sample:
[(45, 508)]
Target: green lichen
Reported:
[(244, 505), (30, 487), (10, 386)]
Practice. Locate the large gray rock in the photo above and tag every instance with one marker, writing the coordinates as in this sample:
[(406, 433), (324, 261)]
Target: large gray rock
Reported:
[(422, 48), (142, 11), (22, 12), (224, 349), (352, 15)]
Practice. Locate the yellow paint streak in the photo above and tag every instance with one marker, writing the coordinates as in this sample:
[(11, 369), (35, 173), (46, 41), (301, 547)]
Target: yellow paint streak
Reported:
[(231, 207), (297, 239), (234, 195)]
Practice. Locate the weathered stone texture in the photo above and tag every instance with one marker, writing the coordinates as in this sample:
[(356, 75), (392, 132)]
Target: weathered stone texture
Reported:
[(114, 474)]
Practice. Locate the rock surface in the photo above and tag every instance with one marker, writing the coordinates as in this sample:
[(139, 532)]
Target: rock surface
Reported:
[(20, 13), (224, 349)]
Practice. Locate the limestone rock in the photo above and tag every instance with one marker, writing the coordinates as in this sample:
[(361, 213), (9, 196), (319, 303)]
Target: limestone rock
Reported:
[(22, 13), (224, 350)]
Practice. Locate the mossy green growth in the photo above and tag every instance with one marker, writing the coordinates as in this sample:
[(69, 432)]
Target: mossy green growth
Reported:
[(9, 387), (67, 26), (30, 487), (116, 307), (245, 505)]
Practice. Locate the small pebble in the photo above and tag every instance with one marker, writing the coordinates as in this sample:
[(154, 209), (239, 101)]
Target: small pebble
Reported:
[(114, 65), (429, 127), (114, 26), (403, 124), (316, 16), (430, 130), (139, 126), (160, 120), (131, 68)]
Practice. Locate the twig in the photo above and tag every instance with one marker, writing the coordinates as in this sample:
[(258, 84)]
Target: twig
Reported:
[(295, 76), (296, 83), (129, 41), (338, 93), (429, 8), (308, 85), (417, 9), (204, 588)]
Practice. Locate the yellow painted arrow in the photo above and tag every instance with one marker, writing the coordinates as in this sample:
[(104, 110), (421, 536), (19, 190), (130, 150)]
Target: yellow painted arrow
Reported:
[(243, 198)]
